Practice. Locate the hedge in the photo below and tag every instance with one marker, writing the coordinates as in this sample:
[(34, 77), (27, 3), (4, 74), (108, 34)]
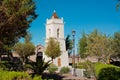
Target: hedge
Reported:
[(65, 70), (12, 75), (104, 71), (52, 68), (107, 72)]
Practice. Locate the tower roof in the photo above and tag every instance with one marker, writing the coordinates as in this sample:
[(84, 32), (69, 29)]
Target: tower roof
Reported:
[(54, 15)]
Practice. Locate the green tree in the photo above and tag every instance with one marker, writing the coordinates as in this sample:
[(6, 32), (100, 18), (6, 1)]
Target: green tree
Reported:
[(116, 45), (96, 44), (69, 44), (53, 49), (118, 5), (24, 50), (82, 45), (99, 45), (15, 17), (90, 70)]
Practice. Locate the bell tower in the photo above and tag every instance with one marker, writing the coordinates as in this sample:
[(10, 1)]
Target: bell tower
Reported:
[(55, 29)]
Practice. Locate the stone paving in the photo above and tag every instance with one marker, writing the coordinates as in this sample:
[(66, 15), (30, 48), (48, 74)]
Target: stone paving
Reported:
[(71, 77)]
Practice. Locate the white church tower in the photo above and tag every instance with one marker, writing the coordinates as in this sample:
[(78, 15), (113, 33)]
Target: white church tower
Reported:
[(55, 29)]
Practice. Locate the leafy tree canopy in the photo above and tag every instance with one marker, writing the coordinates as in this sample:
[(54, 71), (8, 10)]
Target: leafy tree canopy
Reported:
[(15, 17), (69, 44), (82, 45), (53, 49), (118, 5), (96, 44), (116, 45), (25, 49)]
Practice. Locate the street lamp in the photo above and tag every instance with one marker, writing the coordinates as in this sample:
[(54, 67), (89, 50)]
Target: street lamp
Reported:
[(73, 34)]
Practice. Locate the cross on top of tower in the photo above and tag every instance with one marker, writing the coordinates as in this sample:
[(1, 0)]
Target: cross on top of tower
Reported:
[(54, 15)]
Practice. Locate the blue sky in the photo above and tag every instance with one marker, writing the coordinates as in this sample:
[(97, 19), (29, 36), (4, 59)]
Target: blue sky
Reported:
[(80, 15)]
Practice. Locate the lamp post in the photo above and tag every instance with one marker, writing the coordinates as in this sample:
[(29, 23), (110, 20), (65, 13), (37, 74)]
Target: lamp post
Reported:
[(73, 34)]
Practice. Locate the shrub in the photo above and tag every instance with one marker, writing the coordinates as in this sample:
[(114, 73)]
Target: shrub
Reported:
[(99, 66), (107, 72), (40, 66), (52, 68), (89, 69), (11, 65), (12, 75), (85, 65), (27, 67), (64, 70), (37, 78), (86, 74), (80, 65)]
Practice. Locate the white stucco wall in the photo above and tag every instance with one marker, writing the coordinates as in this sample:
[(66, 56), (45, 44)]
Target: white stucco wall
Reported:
[(53, 26)]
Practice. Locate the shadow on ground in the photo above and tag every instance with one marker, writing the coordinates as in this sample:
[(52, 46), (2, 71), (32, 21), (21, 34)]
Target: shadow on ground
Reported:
[(54, 76)]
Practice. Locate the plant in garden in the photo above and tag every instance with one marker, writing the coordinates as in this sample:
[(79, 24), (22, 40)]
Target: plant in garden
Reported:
[(65, 70), (40, 66), (12, 75), (107, 72), (37, 78), (52, 68), (90, 70)]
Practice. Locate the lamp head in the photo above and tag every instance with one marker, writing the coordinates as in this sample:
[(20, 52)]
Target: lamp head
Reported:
[(73, 32)]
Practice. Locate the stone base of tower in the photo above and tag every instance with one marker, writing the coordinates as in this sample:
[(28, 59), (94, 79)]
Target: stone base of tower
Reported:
[(60, 61)]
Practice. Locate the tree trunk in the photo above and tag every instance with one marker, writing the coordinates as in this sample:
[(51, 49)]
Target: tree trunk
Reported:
[(0, 58), (52, 60), (23, 60)]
